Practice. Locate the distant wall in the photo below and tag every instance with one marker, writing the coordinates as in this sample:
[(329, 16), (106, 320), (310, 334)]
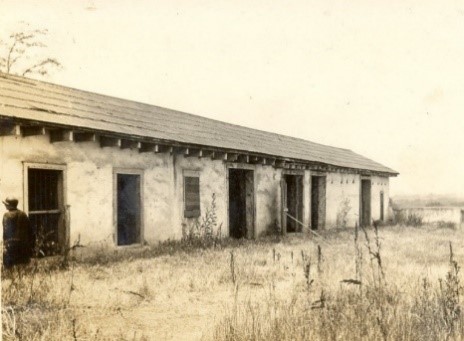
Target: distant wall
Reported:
[(432, 215)]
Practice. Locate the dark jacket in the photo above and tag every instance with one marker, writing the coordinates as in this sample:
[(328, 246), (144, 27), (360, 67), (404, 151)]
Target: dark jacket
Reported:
[(17, 238)]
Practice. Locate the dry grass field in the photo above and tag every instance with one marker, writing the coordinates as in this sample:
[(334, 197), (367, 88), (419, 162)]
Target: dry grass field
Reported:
[(337, 287)]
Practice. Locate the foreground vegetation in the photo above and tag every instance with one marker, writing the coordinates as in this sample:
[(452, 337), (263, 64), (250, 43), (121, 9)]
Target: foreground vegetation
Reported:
[(395, 283)]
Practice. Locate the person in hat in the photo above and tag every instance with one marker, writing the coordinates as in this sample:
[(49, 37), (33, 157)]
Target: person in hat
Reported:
[(17, 236)]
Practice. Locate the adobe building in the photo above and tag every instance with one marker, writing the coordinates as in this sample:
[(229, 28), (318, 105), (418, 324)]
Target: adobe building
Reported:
[(99, 168)]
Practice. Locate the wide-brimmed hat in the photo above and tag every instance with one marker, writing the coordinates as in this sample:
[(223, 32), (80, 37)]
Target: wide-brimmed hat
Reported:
[(10, 202)]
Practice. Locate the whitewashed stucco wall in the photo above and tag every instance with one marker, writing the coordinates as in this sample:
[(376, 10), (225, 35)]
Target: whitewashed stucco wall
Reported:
[(343, 192), (89, 183), (268, 198), (89, 188), (213, 180), (342, 195), (378, 185)]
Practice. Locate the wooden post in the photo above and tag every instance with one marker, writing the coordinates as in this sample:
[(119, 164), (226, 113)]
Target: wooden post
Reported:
[(283, 205)]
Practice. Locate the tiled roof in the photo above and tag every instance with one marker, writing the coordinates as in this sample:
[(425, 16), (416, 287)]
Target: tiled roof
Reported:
[(28, 99)]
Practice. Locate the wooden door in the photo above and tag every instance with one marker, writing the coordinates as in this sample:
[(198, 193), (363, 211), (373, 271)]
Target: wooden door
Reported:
[(249, 204), (128, 208), (382, 207), (314, 202), (283, 208), (365, 213), (299, 202)]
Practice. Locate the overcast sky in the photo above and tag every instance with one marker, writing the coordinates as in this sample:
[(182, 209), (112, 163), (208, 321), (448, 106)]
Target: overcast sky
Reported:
[(383, 78)]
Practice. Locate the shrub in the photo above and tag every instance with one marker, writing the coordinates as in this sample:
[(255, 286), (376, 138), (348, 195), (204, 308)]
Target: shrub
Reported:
[(399, 217), (410, 219), (205, 231), (414, 220)]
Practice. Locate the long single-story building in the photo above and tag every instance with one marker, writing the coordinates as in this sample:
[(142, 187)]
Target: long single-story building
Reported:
[(94, 167)]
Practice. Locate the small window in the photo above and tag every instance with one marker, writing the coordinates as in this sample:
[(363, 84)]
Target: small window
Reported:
[(191, 196)]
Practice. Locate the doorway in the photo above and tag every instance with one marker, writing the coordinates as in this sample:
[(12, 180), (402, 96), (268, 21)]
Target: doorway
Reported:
[(293, 202), (46, 210), (128, 209), (382, 207), (318, 202), (365, 208), (241, 203)]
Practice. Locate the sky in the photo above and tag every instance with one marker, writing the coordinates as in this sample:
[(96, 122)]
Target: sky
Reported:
[(382, 78)]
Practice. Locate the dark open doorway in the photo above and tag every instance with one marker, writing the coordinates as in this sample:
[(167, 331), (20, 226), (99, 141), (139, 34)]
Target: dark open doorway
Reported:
[(46, 210), (293, 202), (382, 207), (365, 207), (318, 202), (241, 203), (128, 209)]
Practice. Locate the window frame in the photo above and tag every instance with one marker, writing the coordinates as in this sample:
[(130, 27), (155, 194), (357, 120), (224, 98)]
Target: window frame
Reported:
[(63, 207), (44, 166)]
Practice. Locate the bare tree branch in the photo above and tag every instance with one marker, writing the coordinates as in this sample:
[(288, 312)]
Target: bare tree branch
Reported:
[(8, 63), (39, 67), (19, 48)]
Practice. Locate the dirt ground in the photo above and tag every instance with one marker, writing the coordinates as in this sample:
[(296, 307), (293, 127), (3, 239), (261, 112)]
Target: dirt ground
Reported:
[(185, 318), (185, 295), (159, 303)]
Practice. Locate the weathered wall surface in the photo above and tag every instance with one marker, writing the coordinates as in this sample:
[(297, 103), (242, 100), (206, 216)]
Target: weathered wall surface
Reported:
[(212, 181), (89, 188), (89, 183), (342, 199), (267, 198), (379, 185)]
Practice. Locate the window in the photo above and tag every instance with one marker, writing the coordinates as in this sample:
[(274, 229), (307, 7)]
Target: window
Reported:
[(44, 202), (191, 195)]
